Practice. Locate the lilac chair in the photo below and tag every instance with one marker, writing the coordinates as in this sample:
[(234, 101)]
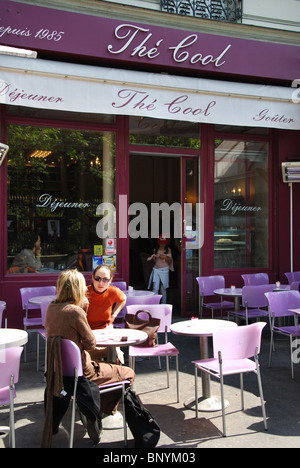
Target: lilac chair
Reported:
[(293, 276), (72, 367), (120, 284), (233, 349), (280, 304), (2, 309), (207, 285), (295, 286), (164, 313), (135, 300), (9, 376), (255, 279), (254, 302), (30, 322)]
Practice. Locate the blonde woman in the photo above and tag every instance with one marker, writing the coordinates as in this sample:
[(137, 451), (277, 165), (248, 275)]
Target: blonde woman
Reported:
[(66, 317)]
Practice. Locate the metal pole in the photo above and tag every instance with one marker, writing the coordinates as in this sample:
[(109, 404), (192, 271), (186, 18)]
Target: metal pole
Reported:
[(291, 226)]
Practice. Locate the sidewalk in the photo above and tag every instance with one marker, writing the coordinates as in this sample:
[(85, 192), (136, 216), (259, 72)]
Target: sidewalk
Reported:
[(179, 428)]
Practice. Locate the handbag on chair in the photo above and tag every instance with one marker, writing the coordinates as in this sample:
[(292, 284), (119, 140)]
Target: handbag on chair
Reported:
[(149, 325)]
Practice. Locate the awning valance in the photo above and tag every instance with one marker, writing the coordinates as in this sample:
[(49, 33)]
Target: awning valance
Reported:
[(80, 88)]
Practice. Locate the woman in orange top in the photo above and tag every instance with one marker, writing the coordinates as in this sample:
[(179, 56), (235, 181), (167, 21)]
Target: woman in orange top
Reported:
[(105, 301)]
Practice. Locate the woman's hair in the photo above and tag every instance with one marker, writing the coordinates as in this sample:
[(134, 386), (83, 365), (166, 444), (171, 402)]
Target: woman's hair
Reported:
[(106, 267), (71, 287)]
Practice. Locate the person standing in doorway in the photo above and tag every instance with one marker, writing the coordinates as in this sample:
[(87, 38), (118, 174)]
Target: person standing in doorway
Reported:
[(163, 264)]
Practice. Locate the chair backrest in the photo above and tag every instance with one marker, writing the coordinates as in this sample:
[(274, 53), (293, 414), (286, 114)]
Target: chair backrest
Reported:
[(238, 342), (280, 303), (27, 293), (293, 276), (71, 358), (161, 311), (295, 285), (255, 279), (120, 284), (207, 284), (139, 300), (9, 365), (2, 309), (255, 296)]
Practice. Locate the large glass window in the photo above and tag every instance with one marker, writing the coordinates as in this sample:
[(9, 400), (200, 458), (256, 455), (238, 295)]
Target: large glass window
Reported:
[(241, 237), (161, 132), (56, 179)]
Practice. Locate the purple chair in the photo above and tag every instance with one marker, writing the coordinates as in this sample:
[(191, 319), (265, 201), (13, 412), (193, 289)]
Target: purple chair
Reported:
[(135, 300), (120, 284), (255, 279), (2, 309), (164, 313), (42, 333), (233, 350), (9, 376), (293, 276), (207, 286), (280, 305), (295, 286), (72, 367), (254, 301), (29, 322)]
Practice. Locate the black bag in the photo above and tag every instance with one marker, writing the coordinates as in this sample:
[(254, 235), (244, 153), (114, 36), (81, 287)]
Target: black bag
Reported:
[(142, 425)]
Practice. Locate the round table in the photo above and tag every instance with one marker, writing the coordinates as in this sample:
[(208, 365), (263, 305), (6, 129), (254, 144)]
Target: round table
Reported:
[(10, 337), (112, 338), (236, 294), (40, 299), (202, 328), (138, 293)]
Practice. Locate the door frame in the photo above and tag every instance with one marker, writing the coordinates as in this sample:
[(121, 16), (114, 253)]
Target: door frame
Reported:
[(183, 155)]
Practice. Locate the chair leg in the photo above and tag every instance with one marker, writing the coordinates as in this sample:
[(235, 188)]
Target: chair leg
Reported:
[(261, 394), (177, 378), (124, 417), (37, 352), (12, 437), (242, 391), (168, 371), (73, 411), (292, 362), (223, 406)]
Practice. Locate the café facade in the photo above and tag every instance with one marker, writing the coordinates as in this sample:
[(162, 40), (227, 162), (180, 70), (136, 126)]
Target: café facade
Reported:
[(119, 130)]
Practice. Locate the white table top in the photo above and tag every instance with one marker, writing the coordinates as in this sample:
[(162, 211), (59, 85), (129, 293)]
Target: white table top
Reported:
[(138, 292), (39, 299), (10, 337), (201, 327), (229, 292), (114, 337)]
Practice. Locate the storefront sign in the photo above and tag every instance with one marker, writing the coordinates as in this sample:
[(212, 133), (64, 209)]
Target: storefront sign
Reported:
[(155, 47), (46, 200), (234, 207), (77, 88)]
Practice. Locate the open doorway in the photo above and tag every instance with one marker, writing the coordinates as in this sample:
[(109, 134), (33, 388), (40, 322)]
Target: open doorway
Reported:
[(154, 179)]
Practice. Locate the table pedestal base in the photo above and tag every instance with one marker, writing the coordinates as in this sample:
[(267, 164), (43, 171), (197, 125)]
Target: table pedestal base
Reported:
[(212, 403), (113, 421)]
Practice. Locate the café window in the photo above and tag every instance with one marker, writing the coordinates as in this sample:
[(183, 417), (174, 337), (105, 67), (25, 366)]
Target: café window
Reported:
[(56, 179), (241, 231)]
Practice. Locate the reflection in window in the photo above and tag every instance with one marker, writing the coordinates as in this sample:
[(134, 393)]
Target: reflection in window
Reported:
[(56, 179), (241, 204), (160, 132)]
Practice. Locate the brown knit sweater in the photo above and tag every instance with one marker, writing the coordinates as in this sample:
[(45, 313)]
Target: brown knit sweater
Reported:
[(69, 321)]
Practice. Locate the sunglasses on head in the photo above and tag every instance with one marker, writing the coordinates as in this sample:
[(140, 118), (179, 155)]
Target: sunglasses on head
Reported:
[(103, 280)]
